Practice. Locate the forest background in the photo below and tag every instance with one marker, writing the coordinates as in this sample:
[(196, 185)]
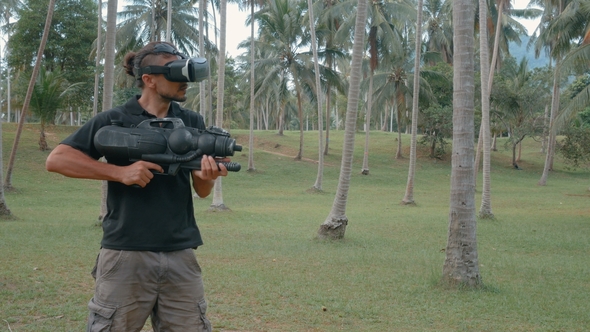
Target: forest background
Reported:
[(522, 104)]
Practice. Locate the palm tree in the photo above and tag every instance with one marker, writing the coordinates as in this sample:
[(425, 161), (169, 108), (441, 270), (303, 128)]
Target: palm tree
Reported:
[(485, 211), (253, 4), (281, 30), (384, 33), (36, 68), (461, 266), (146, 20), (506, 29), (318, 182), (392, 86), (439, 29), (217, 203), (109, 82), (97, 62), (7, 9), (409, 196), (335, 224), (557, 34), (47, 98)]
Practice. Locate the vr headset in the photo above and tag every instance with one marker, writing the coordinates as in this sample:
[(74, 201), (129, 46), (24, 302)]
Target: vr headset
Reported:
[(183, 70)]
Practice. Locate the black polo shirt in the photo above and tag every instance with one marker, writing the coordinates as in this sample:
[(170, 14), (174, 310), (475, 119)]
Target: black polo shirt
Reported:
[(159, 217)]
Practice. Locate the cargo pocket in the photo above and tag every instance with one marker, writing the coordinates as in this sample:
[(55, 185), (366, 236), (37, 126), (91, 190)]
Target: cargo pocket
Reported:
[(202, 310), (100, 318)]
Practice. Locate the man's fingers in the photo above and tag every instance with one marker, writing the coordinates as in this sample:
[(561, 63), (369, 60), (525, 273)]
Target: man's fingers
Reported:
[(154, 167)]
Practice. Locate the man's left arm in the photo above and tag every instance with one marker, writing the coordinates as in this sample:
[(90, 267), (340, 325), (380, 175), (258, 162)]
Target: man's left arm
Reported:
[(204, 179)]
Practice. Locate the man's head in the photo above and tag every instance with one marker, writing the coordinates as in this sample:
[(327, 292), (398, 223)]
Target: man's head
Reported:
[(162, 68), (180, 68)]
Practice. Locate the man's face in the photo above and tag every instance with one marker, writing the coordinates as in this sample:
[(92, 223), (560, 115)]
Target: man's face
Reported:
[(171, 91)]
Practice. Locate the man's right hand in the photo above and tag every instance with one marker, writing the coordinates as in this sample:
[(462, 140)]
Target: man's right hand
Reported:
[(74, 163), (139, 173)]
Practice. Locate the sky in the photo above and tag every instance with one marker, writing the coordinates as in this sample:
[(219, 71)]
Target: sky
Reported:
[(238, 31)]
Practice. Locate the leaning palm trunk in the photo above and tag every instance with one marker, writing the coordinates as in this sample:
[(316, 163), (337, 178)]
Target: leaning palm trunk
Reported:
[(485, 210), (217, 203), (318, 182), (551, 140), (480, 144), (27, 101), (335, 224), (461, 265), (409, 196)]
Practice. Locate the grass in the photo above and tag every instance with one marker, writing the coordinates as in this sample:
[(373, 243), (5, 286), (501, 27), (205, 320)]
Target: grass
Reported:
[(265, 271)]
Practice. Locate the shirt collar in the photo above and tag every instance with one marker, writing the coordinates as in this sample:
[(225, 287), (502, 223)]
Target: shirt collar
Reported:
[(135, 108)]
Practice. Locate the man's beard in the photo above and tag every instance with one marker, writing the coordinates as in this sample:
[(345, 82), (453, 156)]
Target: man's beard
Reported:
[(179, 97), (173, 97)]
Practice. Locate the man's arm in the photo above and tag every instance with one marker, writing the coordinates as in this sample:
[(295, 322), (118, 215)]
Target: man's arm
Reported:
[(204, 179), (74, 163)]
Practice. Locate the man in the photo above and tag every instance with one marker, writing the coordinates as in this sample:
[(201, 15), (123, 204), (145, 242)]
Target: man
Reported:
[(146, 265)]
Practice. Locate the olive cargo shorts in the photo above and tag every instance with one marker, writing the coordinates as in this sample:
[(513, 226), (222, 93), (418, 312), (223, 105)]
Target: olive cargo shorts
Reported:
[(132, 285)]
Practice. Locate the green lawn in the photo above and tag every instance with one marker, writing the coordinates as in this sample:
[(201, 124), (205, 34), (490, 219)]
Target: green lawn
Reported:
[(265, 271)]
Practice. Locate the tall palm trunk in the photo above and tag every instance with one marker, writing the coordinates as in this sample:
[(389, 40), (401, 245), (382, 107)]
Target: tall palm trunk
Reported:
[(217, 204), (409, 196), (97, 61), (300, 113), (485, 211), (27, 101), (492, 68), (202, 100), (551, 140), (109, 81), (169, 21), (461, 262), (398, 154), (365, 168), (252, 77), (4, 210), (318, 181), (335, 224)]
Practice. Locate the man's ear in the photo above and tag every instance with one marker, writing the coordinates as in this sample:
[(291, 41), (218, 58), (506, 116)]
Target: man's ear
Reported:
[(148, 80)]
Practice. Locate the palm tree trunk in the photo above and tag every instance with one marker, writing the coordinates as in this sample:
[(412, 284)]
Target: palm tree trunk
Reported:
[(551, 140), (27, 101), (398, 154), (169, 22), (318, 182), (461, 265), (300, 112), (97, 62), (109, 82), (217, 204), (4, 210), (365, 168), (490, 79), (335, 224), (202, 100), (485, 210), (252, 77), (409, 196)]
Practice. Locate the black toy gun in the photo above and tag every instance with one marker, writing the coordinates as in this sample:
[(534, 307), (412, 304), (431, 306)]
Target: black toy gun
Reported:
[(172, 148)]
